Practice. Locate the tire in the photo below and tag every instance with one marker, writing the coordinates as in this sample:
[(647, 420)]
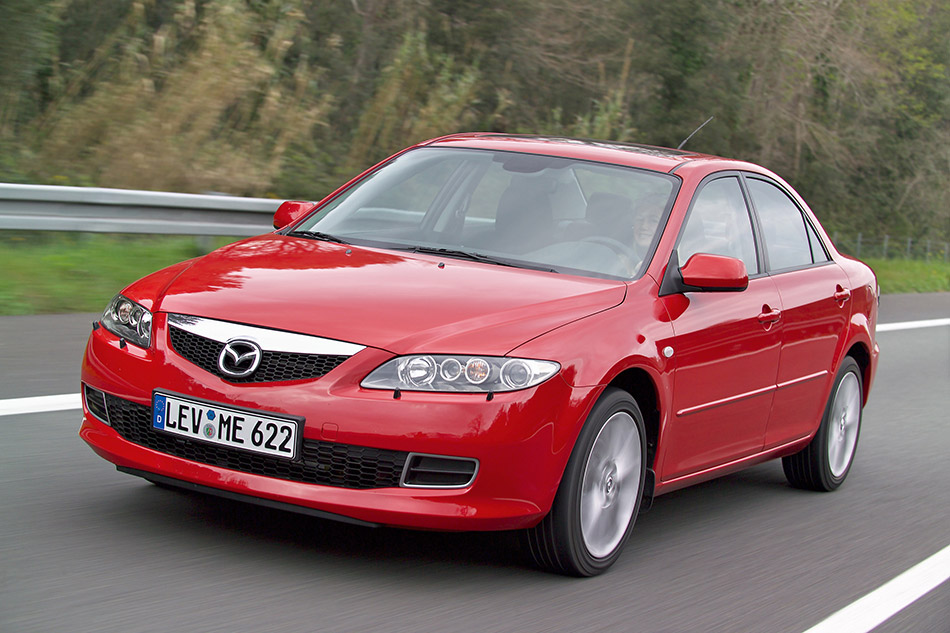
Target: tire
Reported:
[(825, 462), (600, 493)]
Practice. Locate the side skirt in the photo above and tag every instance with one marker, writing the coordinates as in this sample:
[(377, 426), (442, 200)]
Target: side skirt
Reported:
[(728, 468)]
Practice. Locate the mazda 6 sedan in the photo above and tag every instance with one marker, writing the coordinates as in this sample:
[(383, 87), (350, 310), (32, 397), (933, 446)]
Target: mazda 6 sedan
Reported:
[(497, 332)]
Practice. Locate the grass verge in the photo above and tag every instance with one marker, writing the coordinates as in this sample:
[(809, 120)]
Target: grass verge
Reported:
[(46, 272), (911, 275)]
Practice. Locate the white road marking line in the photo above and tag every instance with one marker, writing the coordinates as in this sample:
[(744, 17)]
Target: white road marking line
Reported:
[(40, 404), (911, 325), (861, 616), (866, 614)]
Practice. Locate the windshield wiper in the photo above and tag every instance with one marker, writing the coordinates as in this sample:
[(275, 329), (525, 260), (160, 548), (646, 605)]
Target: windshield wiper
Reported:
[(476, 257), (319, 235)]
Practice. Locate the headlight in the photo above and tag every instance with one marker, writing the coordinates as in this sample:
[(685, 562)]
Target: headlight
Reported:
[(440, 372), (129, 320)]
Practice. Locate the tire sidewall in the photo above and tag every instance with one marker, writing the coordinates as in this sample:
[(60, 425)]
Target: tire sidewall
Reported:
[(828, 479), (566, 509)]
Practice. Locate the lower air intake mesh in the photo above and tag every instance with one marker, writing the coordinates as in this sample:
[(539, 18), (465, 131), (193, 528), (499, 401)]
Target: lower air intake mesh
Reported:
[(325, 463)]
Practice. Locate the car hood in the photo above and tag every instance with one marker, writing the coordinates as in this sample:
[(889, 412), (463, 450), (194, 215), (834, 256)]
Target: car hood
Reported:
[(401, 302)]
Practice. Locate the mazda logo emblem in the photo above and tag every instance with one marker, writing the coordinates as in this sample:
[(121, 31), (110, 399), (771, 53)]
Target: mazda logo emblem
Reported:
[(239, 358)]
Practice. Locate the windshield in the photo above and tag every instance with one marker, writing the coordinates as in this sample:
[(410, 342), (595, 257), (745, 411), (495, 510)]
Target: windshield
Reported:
[(558, 214)]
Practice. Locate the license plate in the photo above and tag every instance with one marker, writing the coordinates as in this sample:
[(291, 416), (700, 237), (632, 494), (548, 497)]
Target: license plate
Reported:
[(216, 424)]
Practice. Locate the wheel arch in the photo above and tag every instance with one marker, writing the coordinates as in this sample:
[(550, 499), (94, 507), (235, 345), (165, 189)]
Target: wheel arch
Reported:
[(862, 356), (643, 389)]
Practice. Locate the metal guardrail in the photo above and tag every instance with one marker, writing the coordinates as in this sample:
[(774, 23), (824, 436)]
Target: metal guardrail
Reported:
[(95, 210)]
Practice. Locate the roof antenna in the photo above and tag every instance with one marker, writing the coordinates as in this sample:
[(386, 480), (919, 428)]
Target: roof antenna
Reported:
[(680, 146)]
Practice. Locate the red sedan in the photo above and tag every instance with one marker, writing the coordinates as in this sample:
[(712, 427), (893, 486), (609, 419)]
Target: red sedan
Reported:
[(494, 332)]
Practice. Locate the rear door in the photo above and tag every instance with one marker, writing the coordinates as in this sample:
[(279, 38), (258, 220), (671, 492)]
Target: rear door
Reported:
[(815, 308)]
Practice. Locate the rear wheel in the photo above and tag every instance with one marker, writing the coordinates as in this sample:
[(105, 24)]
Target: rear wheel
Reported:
[(599, 496), (825, 462)]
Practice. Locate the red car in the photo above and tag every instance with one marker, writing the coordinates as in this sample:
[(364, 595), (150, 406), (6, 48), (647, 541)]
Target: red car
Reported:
[(495, 332)]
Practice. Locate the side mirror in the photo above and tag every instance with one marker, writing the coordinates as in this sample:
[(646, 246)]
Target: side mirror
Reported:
[(290, 211), (714, 273)]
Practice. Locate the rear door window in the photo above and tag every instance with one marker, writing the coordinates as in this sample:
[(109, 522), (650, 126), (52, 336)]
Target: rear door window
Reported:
[(790, 241)]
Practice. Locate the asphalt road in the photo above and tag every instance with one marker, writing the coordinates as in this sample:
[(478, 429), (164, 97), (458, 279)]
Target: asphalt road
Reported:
[(85, 548)]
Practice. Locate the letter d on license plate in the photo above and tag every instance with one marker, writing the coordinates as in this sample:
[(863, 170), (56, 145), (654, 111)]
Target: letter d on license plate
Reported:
[(234, 428)]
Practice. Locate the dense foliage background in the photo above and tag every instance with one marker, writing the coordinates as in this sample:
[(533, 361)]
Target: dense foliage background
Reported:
[(847, 99)]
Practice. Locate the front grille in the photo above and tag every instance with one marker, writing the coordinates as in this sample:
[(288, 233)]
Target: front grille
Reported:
[(325, 463), (274, 367)]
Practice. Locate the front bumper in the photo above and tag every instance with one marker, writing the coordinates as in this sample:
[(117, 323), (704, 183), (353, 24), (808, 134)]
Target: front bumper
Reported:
[(521, 440)]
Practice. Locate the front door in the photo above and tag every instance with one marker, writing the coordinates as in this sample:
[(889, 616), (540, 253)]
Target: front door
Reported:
[(725, 346)]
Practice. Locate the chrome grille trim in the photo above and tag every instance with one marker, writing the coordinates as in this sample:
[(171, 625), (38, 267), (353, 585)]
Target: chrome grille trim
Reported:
[(274, 366), (269, 340)]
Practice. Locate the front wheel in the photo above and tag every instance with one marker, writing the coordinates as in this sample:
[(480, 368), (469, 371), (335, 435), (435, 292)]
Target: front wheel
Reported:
[(599, 496), (825, 462)]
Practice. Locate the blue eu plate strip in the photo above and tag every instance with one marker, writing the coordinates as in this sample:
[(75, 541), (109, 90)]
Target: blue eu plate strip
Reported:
[(159, 408)]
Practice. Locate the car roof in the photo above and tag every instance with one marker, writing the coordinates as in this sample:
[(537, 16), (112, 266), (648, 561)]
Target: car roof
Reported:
[(660, 159)]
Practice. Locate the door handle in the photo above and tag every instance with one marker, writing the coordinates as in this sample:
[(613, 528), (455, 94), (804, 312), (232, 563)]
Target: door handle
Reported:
[(769, 316), (842, 294)]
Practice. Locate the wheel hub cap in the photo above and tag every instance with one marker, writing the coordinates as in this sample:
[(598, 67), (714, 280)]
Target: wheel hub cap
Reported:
[(611, 484), (610, 487), (846, 419)]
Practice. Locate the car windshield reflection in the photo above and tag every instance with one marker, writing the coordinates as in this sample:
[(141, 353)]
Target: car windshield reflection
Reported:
[(526, 210)]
